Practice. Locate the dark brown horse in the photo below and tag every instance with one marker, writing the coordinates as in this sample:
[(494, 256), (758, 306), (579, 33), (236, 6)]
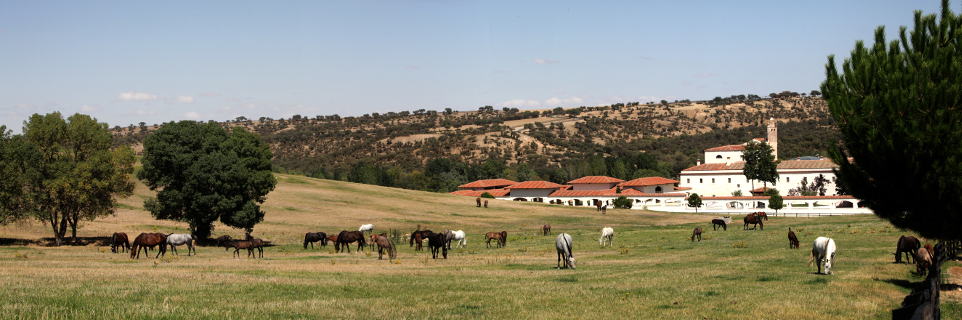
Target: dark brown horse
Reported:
[(374, 239), (241, 244), (418, 237), (383, 243), (496, 236), (223, 240), (697, 233), (546, 229), (908, 245), (720, 222), (792, 240), (259, 245), (485, 205), (504, 238), (752, 219), (332, 238), (149, 240), (119, 239), (479, 201), (312, 237), (345, 238), (437, 243)]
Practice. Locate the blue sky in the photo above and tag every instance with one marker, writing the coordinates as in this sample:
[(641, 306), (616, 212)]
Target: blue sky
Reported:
[(160, 61)]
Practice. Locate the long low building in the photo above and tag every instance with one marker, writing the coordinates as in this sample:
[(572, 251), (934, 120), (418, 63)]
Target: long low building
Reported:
[(584, 192)]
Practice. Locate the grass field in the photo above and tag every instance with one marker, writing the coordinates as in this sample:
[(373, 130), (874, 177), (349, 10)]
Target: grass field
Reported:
[(653, 270)]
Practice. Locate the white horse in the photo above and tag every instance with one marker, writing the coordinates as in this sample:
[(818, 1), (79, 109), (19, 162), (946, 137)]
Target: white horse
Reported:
[(462, 239), (824, 250), (176, 239), (606, 234), (367, 228), (563, 243)]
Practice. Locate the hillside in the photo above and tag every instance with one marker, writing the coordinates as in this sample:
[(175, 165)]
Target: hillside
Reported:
[(673, 134)]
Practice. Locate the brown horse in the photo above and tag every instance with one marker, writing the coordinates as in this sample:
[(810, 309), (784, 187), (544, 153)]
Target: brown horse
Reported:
[(383, 243), (762, 215), (374, 239), (908, 245), (241, 244), (119, 239), (312, 237), (149, 240), (332, 238), (496, 236), (792, 240), (418, 237), (485, 205), (697, 232), (437, 243), (754, 221), (504, 238), (546, 229), (479, 201), (223, 240), (923, 260), (345, 238)]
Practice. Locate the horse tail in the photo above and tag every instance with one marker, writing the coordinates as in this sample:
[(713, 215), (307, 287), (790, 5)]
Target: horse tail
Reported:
[(811, 259)]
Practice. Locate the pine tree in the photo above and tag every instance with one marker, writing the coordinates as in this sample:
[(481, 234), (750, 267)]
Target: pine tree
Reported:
[(897, 107)]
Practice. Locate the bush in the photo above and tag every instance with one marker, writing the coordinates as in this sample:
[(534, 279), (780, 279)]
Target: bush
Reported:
[(487, 195), (622, 203)]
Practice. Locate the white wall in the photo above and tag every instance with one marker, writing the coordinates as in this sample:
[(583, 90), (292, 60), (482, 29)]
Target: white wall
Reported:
[(726, 156), (701, 181), (531, 193)]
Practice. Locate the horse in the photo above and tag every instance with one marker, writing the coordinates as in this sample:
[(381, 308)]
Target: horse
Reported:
[(176, 239), (485, 206), (928, 246), (792, 240), (754, 220), (824, 250), (606, 234), (223, 240), (504, 239), (347, 237), (332, 238), (462, 239), (119, 239), (438, 242), (720, 222), (448, 236), (419, 236), (366, 228), (923, 260), (563, 243), (149, 240), (762, 215), (604, 209), (546, 229), (908, 245), (312, 237), (697, 232), (383, 243), (479, 201), (241, 244), (496, 236)]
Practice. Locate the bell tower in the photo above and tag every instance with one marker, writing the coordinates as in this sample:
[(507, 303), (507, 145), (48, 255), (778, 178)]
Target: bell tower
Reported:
[(773, 136)]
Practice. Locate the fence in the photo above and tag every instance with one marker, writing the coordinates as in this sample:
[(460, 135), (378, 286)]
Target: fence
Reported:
[(923, 302)]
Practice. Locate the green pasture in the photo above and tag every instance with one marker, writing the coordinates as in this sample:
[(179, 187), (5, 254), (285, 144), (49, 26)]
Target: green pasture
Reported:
[(651, 272)]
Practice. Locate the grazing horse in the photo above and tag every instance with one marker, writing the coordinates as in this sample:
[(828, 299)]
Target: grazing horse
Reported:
[(448, 237), (485, 205), (563, 243), (223, 240), (723, 222), (119, 239), (697, 232), (461, 238), (792, 240), (754, 220), (366, 228), (824, 250), (504, 239), (419, 236), (479, 201), (438, 242), (923, 260), (312, 237), (241, 244), (762, 215), (176, 239), (928, 246), (496, 236), (383, 243), (347, 237), (606, 234), (149, 240), (546, 229), (332, 238)]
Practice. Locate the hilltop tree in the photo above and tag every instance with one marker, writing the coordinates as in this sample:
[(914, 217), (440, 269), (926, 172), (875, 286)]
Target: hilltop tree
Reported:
[(62, 172), (897, 107), (205, 174), (760, 163)]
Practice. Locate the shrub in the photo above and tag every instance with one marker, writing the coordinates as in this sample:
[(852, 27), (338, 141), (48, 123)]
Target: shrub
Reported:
[(487, 195), (622, 203)]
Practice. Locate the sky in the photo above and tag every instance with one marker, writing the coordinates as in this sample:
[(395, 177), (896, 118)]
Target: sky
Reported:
[(160, 61)]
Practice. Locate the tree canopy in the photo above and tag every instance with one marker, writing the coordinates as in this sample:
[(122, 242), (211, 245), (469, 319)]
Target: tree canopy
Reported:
[(760, 163), (694, 200), (205, 174), (897, 106)]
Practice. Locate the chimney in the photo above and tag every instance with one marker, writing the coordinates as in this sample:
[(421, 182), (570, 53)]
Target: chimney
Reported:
[(698, 162)]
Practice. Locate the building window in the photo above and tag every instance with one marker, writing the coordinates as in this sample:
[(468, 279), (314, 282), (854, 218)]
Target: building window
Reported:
[(729, 180), (712, 180), (718, 157), (787, 179), (699, 181), (658, 189), (688, 181)]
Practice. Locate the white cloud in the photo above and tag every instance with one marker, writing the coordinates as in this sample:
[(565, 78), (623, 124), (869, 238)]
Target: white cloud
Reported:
[(193, 115), (26, 106), (138, 96), (145, 112), (89, 108), (703, 75), (208, 94), (542, 61), (183, 99), (565, 101), (233, 100), (250, 106), (519, 103)]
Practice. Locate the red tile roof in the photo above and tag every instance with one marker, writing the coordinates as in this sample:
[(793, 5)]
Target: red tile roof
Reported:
[(648, 181), (784, 198), (488, 184), (682, 188), (784, 165), (472, 193), (595, 180), (734, 147), (536, 185), (737, 165), (611, 193)]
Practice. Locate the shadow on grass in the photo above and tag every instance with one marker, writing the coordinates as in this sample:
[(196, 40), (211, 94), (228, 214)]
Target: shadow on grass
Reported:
[(901, 283)]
